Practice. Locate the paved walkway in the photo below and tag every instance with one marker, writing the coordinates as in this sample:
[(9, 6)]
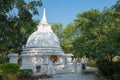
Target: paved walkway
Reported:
[(73, 76)]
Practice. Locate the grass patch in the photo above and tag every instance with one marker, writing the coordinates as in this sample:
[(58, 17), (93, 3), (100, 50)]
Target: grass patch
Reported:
[(91, 63)]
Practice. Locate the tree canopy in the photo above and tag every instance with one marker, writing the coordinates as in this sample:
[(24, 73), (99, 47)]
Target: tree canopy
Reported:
[(16, 24), (94, 33)]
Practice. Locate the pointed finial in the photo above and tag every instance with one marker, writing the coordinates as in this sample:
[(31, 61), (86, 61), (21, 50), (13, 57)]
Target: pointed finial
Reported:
[(44, 19)]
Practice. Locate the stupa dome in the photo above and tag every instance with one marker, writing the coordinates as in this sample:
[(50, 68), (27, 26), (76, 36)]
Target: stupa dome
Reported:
[(42, 39), (44, 36)]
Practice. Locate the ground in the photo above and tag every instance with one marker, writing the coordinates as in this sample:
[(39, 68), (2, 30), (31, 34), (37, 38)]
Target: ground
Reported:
[(87, 74), (73, 76)]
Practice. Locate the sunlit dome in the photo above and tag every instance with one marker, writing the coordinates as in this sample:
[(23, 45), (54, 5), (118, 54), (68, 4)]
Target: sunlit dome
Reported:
[(44, 36)]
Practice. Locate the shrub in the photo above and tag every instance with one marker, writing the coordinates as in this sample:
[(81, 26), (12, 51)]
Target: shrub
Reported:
[(110, 70), (9, 70), (116, 76), (4, 60), (25, 74)]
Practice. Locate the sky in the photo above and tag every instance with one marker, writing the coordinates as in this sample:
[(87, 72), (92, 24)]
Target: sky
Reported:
[(65, 11)]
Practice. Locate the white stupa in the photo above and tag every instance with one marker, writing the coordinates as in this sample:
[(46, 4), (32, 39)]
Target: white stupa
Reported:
[(42, 50), (44, 36)]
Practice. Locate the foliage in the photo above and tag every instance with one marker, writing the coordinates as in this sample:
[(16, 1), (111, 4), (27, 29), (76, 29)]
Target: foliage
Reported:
[(111, 70), (9, 69), (68, 35), (16, 24), (3, 60), (57, 29), (67, 45), (25, 73), (83, 45), (99, 34), (68, 31), (116, 76), (99, 38), (116, 7), (91, 63)]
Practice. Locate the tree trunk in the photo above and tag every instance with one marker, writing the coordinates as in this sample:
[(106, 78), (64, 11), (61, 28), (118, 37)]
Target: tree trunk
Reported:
[(109, 57)]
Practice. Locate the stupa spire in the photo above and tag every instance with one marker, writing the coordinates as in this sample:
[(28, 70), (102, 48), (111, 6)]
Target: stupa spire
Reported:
[(44, 19), (43, 25)]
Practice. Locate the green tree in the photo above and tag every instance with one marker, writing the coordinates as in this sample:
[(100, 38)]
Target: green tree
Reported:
[(68, 38), (15, 28), (98, 31), (57, 29), (88, 22)]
